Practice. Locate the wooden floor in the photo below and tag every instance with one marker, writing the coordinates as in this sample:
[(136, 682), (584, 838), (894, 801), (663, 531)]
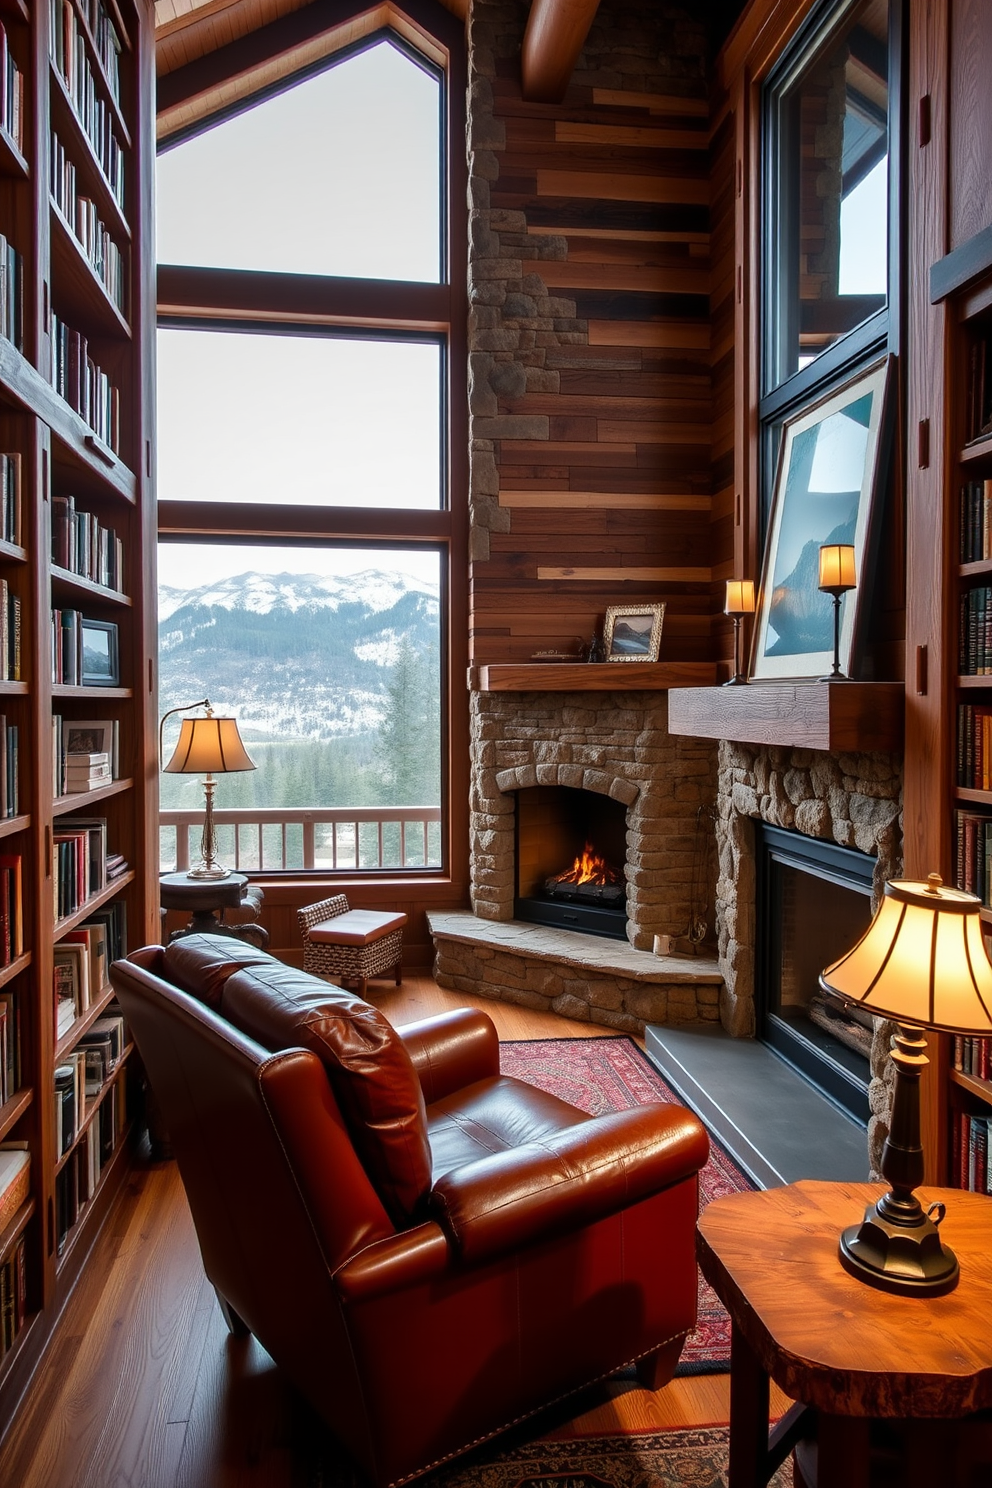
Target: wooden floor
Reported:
[(144, 1387)]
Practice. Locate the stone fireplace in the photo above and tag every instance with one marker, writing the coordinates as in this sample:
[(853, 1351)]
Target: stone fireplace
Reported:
[(570, 860)]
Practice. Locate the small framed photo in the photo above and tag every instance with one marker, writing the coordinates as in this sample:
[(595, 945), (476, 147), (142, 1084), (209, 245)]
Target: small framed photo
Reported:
[(101, 664), (633, 632), (88, 736)]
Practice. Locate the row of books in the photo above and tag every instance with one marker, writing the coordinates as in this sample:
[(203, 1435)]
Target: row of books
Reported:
[(10, 634), (84, 385), (975, 632), (80, 863), (82, 545), (973, 853), (82, 1073), (976, 521), (10, 803), (970, 1152), (71, 59), (980, 387), (972, 1055), (974, 746), (11, 293), (108, 43), (11, 908), (10, 1045), (83, 219), (85, 753), (80, 973), (78, 1180), (11, 92), (10, 498), (13, 1296)]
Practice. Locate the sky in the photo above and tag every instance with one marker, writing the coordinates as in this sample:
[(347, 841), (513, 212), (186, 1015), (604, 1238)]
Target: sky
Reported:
[(343, 157), (189, 565)]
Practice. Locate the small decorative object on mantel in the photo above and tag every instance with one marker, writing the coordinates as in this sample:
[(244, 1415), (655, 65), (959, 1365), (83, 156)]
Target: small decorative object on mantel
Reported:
[(633, 632), (738, 603), (594, 650), (837, 578)]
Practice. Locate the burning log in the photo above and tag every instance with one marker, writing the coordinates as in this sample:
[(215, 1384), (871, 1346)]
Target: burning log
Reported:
[(590, 880)]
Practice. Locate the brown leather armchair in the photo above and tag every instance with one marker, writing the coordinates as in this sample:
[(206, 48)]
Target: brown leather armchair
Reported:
[(429, 1249)]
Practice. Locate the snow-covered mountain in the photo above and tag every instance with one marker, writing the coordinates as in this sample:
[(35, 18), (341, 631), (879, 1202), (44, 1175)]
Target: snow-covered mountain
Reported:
[(292, 655)]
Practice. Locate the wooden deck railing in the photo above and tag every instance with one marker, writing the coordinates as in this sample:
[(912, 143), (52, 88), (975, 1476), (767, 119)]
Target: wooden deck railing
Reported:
[(279, 838)]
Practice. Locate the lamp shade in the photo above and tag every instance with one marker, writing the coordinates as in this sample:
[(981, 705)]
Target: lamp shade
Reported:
[(922, 960), (740, 597), (837, 567), (209, 746)]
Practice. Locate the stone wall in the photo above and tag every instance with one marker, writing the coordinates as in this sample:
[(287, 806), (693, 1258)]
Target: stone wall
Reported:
[(852, 799), (618, 745)]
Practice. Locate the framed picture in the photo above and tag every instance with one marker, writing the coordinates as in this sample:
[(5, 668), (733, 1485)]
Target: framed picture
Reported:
[(88, 736), (825, 486), (633, 632), (101, 667)]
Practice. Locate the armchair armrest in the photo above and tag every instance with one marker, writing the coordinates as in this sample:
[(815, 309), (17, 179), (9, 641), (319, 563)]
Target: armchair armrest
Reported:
[(452, 1050), (582, 1174)]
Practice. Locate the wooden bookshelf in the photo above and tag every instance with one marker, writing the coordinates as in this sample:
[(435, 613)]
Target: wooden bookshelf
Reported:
[(64, 450)]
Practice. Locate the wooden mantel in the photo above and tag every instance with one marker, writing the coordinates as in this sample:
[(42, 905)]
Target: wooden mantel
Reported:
[(579, 676), (804, 715)]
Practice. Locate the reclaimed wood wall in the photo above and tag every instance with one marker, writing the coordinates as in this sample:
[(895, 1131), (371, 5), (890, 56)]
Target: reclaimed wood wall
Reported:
[(591, 282)]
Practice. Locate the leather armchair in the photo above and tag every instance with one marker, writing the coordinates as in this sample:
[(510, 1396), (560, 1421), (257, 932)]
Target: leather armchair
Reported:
[(429, 1249)]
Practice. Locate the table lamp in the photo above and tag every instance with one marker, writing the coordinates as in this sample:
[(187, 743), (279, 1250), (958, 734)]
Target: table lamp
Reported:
[(739, 602), (206, 746), (922, 962), (836, 578)]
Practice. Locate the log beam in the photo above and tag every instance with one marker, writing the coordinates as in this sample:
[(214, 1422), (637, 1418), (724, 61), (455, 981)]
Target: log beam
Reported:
[(556, 31)]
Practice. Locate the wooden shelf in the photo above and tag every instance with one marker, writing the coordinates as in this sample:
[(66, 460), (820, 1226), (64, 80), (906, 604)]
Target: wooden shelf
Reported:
[(93, 902), (86, 588), (82, 152), (13, 1109), (802, 715), (65, 805), (13, 552), (81, 694), (972, 1083), (978, 451), (11, 824), (16, 1228), (94, 308), (80, 1025), (578, 676), (14, 968), (972, 682), (12, 162)]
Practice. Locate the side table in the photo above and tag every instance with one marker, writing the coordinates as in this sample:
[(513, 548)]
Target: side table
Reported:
[(851, 1353), (207, 900)]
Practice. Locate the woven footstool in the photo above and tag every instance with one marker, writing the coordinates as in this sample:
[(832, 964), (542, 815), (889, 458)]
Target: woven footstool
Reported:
[(351, 945)]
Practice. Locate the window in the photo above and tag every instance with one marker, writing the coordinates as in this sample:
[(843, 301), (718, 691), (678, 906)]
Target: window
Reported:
[(311, 493), (828, 190)]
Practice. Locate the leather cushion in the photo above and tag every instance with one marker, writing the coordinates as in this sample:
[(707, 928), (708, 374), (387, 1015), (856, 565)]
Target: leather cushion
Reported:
[(370, 1071), (201, 964), (357, 927), (494, 1115)]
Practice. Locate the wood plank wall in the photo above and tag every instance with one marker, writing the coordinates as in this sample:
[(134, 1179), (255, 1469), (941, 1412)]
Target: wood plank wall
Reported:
[(600, 426)]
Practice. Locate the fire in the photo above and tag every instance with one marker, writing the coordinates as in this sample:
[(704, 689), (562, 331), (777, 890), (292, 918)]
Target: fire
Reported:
[(589, 868)]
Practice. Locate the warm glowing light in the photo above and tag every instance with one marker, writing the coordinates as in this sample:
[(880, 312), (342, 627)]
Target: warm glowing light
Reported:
[(589, 868)]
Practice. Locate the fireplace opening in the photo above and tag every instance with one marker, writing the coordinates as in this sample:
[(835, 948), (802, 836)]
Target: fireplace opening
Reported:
[(813, 901), (571, 848)]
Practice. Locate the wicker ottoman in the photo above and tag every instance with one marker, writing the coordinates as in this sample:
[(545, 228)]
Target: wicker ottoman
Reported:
[(351, 945)]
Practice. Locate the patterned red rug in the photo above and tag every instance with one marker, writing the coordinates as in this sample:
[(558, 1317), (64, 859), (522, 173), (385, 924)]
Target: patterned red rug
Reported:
[(600, 1075)]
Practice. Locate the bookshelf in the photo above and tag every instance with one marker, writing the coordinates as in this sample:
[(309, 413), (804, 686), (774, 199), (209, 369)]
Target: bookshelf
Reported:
[(969, 382), (76, 532)]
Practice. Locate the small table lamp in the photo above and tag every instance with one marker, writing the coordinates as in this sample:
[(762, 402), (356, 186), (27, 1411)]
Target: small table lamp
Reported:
[(836, 578), (738, 603), (922, 961), (207, 746)]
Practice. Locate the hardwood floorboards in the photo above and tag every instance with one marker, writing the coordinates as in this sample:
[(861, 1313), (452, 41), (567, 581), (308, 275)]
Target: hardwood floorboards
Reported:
[(144, 1387)]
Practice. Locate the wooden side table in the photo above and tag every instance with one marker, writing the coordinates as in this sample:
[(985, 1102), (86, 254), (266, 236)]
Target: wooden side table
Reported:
[(206, 900), (848, 1351)]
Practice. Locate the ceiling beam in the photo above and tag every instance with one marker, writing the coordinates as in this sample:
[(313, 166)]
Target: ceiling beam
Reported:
[(556, 31)]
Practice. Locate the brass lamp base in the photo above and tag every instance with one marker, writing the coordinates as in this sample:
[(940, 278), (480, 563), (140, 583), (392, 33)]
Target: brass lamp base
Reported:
[(209, 871), (898, 1257)]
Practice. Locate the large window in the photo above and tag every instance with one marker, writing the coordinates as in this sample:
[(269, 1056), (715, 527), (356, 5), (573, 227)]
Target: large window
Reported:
[(308, 524)]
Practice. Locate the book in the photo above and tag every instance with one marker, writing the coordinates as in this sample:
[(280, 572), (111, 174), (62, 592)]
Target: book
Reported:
[(15, 1180), (71, 961)]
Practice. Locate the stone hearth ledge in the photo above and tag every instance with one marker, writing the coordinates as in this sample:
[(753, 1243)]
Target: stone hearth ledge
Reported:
[(579, 976)]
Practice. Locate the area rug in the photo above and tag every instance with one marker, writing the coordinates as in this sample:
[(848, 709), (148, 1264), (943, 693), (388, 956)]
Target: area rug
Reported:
[(693, 1457), (600, 1075)]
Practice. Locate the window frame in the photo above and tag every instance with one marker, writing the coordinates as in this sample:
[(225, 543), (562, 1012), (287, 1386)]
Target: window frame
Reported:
[(282, 303)]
